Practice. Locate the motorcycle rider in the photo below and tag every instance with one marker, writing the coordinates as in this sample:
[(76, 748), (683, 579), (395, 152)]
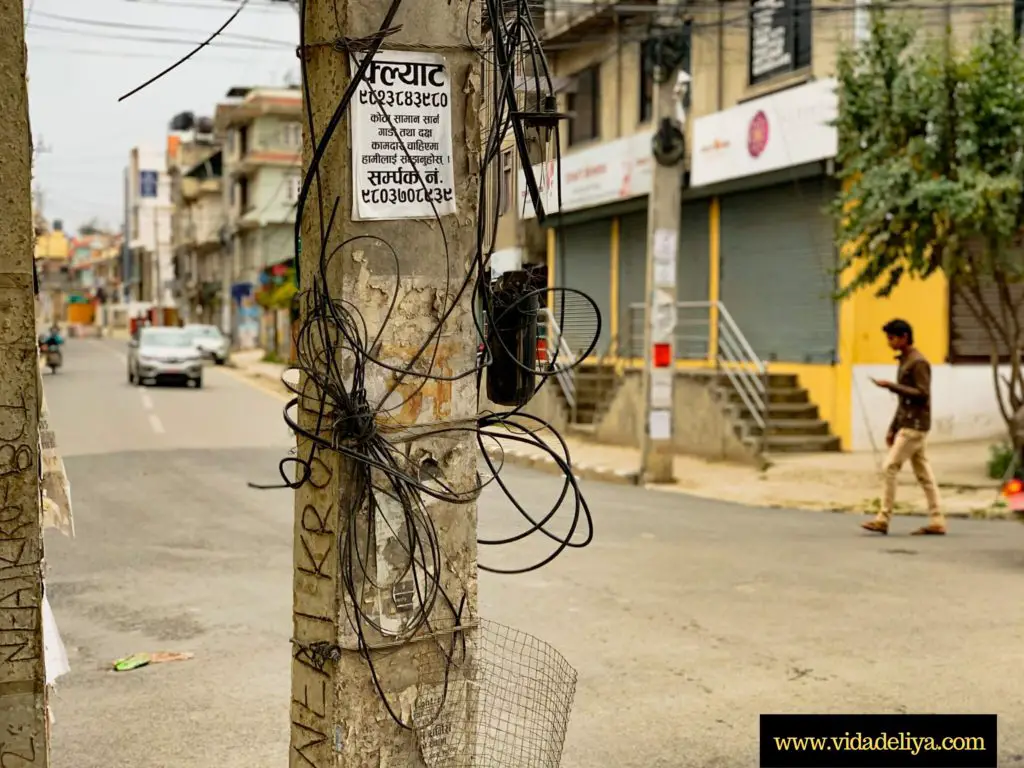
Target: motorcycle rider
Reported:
[(52, 337)]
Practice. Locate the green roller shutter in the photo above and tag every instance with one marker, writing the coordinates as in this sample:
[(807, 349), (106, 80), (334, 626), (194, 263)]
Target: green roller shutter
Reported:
[(778, 262), (584, 264), (692, 274)]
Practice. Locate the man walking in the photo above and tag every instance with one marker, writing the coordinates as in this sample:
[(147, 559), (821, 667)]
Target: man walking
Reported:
[(909, 430)]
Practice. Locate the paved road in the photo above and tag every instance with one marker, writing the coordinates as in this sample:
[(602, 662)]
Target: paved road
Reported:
[(685, 619)]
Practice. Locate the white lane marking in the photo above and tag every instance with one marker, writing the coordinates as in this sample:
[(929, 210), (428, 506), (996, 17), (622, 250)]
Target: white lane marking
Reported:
[(156, 424), (119, 355), (147, 401)]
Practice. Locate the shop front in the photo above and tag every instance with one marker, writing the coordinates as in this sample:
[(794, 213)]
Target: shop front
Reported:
[(767, 162), (599, 194)]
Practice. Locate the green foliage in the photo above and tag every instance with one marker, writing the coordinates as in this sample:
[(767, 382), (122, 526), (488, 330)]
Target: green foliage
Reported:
[(931, 155), (1000, 457), (931, 160)]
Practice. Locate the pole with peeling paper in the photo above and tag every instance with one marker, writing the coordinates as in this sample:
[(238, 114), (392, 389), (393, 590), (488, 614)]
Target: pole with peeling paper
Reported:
[(663, 213), (24, 722), (365, 676)]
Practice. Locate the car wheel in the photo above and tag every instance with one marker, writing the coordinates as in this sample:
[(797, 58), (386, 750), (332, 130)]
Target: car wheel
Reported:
[(198, 383), (220, 360)]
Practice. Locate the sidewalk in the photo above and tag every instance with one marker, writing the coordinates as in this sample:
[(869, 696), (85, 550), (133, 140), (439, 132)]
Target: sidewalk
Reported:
[(834, 482)]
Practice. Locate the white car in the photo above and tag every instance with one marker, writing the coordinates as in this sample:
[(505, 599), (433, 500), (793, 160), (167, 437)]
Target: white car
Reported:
[(211, 342), (164, 354)]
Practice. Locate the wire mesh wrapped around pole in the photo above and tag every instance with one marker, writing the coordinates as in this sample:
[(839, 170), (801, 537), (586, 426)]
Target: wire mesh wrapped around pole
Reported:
[(512, 711)]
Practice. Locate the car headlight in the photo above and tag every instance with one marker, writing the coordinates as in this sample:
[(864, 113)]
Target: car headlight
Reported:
[(146, 359)]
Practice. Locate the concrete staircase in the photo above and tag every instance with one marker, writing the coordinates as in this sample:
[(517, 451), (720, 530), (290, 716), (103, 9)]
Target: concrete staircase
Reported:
[(794, 424), (595, 389)]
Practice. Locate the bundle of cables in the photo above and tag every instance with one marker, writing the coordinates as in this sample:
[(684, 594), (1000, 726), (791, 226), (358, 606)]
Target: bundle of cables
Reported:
[(335, 349)]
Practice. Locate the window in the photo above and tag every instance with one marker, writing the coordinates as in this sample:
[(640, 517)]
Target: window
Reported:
[(585, 107), (294, 187), (1018, 18), (862, 21), (505, 183), (780, 38), (243, 195), (292, 135), (243, 141)]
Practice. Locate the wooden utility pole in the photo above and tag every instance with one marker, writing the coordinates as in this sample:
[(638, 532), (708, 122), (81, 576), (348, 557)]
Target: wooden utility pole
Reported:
[(24, 736), (663, 212), (338, 716)]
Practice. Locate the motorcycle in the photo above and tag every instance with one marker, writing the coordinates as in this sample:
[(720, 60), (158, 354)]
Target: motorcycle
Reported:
[(52, 356)]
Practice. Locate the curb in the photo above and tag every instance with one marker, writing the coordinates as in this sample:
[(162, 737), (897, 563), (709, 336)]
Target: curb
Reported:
[(583, 471), (599, 473)]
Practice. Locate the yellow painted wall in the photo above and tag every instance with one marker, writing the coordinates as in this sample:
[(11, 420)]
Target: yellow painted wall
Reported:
[(922, 303)]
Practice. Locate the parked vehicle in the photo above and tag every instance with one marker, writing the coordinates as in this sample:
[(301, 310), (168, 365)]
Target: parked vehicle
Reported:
[(211, 342), (163, 355)]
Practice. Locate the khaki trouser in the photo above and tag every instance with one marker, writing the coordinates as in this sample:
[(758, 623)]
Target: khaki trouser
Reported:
[(909, 445)]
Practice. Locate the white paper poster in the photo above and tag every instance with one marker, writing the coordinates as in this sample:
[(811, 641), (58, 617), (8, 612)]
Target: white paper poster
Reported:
[(665, 247), (661, 388), (402, 138), (660, 425), (663, 317)]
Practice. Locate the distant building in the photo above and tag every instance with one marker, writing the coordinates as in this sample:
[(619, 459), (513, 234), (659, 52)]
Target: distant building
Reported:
[(261, 131), (148, 227), (195, 164)]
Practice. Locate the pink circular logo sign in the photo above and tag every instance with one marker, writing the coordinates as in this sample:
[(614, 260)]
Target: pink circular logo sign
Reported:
[(757, 135)]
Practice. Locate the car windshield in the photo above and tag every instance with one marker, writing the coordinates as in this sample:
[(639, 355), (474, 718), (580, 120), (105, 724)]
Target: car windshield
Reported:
[(170, 337), (204, 331)]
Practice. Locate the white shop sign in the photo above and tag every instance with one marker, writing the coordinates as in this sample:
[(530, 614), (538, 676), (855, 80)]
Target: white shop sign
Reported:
[(402, 110), (609, 172), (784, 130)]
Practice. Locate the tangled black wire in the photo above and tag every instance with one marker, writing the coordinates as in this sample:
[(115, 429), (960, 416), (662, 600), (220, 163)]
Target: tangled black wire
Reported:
[(336, 349)]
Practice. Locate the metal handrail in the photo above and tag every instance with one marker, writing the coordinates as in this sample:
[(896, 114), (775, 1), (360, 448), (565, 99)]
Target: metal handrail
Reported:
[(565, 359), (733, 355)]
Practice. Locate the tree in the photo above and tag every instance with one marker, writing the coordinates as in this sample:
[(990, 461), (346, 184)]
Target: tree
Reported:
[(931, 159)]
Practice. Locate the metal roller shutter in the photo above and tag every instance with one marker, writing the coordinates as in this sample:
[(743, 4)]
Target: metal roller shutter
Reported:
[(692, 271), (584, 263), (968, 341), (632, 280), (778, 262)]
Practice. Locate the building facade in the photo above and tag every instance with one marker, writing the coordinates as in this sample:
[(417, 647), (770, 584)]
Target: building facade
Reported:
[(755, 242), (148, 228), (261, 133), (195, 164)]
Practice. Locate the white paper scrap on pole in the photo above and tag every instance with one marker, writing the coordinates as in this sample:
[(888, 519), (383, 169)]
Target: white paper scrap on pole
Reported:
[(663, 317), (661, 388), (665, 248), (55, 656), (56, 512), (660, 425), (401, 121)]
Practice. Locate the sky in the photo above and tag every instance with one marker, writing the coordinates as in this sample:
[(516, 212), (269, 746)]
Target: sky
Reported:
[(84, 54)]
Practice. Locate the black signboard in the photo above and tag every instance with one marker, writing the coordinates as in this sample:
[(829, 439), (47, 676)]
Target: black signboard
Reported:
[(780, 37)]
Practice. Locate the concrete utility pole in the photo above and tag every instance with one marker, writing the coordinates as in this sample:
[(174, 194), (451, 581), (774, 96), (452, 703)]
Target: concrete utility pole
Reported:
[(158, 295), (24, 727), (663, 211), (338, 717)]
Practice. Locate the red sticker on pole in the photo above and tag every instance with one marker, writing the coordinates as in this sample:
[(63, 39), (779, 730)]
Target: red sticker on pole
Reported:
[(662, 355)]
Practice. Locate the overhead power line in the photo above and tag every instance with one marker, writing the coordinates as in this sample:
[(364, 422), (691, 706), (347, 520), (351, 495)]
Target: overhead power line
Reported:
[(159, 40), (155, 28)]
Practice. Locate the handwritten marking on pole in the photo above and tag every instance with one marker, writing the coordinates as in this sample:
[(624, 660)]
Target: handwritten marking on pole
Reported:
[(314, 624)]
